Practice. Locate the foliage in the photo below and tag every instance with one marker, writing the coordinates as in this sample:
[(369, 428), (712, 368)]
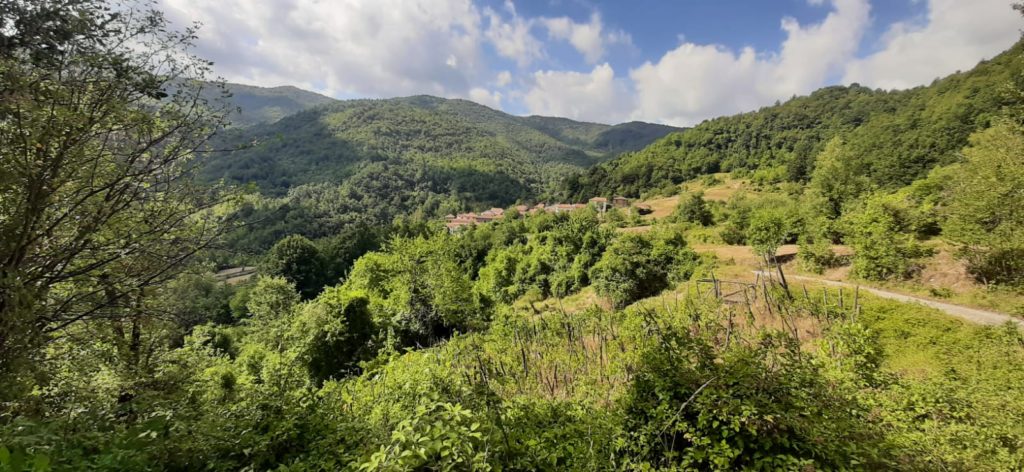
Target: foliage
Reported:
[(440, 436), (253, 105), (194, 299), (881, 232), (99, 122), (767, 232), (698, 403), (417, 289), (834, 180), (985, 198), (636, 266), (271, 297), (890, 137), (450, 146), (693, 209), (299, 261)]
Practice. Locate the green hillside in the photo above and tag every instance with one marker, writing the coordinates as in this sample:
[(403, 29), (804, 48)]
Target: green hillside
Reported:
[(369, 161), (257, 105), (458, 138), (891, 137)]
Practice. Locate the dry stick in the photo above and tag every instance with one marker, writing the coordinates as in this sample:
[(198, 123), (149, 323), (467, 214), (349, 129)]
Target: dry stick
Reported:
[(767, 297), (841, 298), (687, 402), (856, 302), (824, 301), (782, 276)]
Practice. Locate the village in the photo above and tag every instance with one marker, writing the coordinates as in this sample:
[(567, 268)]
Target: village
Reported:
[(455, 223)]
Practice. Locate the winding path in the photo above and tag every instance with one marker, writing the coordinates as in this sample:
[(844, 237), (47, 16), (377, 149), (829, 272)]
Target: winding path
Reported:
[(973, 315)]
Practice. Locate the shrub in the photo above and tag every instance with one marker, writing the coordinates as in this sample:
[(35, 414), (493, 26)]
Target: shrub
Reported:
[(984, 207), (768, 230), (884, 244), (636, 266), (693, 209)]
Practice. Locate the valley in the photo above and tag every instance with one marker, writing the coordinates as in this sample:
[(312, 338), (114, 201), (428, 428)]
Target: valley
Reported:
[(204, 275)]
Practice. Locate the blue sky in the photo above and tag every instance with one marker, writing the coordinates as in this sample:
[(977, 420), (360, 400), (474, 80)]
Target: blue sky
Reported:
[(676, 62)]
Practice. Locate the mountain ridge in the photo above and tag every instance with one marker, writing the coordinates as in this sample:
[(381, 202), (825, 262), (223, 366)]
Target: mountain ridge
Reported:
[(891, 137), (326, 141)]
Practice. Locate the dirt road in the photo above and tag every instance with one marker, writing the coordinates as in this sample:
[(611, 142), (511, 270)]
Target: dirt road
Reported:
[(970, 314)]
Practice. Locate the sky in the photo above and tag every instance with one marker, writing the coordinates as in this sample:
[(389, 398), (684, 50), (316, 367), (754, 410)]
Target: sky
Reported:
[(676, 62)]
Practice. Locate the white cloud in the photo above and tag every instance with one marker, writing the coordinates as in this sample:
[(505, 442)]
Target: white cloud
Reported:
[(384, 48), (595, 96), (694, 82), (513, 39), (504, 78), (486, 97), (343, 47), (956, 35), (588, 38)]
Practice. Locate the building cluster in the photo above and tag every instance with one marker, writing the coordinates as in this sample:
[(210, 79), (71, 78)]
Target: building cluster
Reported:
[(456, 222)]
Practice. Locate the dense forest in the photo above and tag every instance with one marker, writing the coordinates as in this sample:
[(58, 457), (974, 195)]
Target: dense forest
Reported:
[(465, 141), (892, 137), (251, 105), (366, 162), (371, 338)]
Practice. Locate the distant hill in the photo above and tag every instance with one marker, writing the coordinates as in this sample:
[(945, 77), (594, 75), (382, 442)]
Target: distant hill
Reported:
[(332, 140), (890, 137), (260, 105)]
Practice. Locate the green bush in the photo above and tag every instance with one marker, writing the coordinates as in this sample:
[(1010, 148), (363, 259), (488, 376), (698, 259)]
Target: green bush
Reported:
[(884, 244), (693, 209)]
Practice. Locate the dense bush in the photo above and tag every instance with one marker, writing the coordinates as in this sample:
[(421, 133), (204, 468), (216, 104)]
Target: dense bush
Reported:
[(985, 201), (640, 265), (692, 208), (882, 233)]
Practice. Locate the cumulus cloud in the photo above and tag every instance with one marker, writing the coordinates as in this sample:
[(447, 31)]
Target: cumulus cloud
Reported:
[(513, 38), (955, 36), (486, 97), (344, 47), (588, 38), (694, 82), (595, 96), (384, 48)]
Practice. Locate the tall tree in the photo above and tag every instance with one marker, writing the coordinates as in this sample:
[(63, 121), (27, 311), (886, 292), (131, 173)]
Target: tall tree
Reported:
[(985, 202), (100, 114), (299, 261)]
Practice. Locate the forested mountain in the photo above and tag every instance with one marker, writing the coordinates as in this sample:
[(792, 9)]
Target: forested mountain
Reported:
[(892, 137), (257, 105), (470, 144), (597, 339), (365, 162)]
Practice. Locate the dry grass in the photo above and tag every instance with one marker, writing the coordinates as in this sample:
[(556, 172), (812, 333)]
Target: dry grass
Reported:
[(661, 207), (719, 192), (635, 229)]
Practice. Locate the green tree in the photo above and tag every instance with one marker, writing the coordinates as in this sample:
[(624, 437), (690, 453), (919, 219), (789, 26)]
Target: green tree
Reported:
[(882, 235), (767, 232), (331, 334), (418, 289), (194, 299), (271, 298), (835, 179), (693, 209), (298, 260), (985, 207), (634, 267), (102, 110)]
